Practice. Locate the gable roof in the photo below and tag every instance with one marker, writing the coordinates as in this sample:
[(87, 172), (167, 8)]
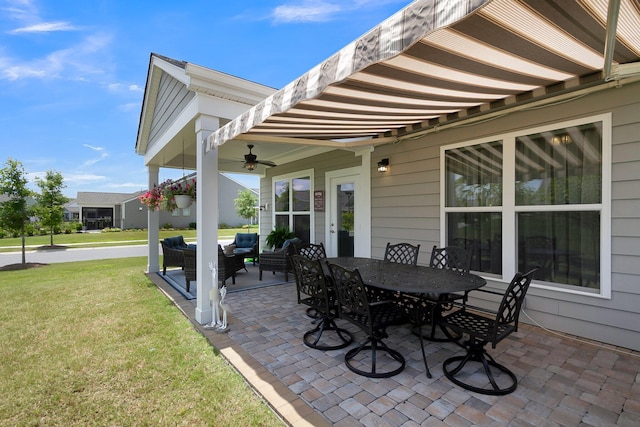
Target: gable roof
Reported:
[(90, 198), (438, 62)]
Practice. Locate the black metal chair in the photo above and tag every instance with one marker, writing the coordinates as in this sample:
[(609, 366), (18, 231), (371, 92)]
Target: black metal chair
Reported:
[(483, 330), (454, 258), (314, 291), (371, 317), (312, 251), (402, 253)]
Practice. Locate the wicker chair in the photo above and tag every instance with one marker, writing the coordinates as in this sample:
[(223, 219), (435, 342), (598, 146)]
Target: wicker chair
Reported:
[(172, 256), (483, 330), (316, 291), (226, 266), (280, 259)]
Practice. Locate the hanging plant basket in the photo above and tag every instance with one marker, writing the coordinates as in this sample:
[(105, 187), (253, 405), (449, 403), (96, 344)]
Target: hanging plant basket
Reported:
[(183, 200)]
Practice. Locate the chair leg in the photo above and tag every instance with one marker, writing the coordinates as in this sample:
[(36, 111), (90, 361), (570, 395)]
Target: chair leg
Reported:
[(477, 353), (260, 275), (188, 285), (312, 338), (373, 345)]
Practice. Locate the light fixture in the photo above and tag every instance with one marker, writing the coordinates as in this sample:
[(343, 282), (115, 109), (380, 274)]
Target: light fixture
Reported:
[(562, 139), (250, 165), (383, 165)]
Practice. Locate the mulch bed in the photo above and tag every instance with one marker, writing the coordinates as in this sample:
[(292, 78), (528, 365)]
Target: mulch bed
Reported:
[(25, 266)]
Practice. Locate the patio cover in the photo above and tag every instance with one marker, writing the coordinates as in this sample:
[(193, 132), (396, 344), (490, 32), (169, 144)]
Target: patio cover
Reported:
[(442, 61)]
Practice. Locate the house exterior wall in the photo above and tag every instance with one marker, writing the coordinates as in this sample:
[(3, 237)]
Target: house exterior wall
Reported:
[(405, 206), (173, 96), (322, 163)]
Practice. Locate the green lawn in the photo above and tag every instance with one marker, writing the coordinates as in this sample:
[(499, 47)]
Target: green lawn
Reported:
[(106, 239), (96, 343)]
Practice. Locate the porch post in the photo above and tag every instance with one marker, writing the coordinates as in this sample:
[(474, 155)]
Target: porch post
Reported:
[(153, 225), (207, 215)]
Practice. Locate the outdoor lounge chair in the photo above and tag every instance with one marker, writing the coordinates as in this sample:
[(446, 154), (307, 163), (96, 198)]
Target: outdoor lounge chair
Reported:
[(280, 259), (246, 245), (172, 256), (226, 266)]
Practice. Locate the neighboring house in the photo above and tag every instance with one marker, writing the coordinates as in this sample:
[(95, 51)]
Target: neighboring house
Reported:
[(71, 211), (99, 210), (513, 131)]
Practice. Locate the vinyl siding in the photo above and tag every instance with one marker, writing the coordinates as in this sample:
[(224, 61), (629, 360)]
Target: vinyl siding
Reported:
[(405, 204), (406, 207), (172, 98)]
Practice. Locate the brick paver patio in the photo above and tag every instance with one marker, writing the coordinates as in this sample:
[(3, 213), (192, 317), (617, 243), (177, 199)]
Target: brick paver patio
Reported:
[(562, 381)]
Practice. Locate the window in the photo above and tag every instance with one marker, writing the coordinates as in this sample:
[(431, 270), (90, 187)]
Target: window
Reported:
[(534, 198), (292, 203)]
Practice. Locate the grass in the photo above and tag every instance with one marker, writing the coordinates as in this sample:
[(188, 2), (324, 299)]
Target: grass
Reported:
[(96, 343), (8, 244)]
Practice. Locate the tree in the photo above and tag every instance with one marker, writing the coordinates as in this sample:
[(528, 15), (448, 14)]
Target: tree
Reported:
[(246, 204), (50, 208), (15, 213)]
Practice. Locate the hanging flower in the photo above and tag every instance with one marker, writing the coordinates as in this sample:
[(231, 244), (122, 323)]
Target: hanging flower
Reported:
[(162, 196), (153, 198)]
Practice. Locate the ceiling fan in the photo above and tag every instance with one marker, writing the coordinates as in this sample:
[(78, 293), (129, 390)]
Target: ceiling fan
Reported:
[(251, 160)]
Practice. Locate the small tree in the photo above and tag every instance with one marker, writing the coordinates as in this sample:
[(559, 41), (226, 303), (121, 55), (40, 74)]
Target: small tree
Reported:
[(15, 212), (50, 201), (246, 204)]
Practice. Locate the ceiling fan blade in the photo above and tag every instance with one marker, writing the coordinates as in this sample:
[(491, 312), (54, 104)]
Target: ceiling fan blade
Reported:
[(266, 163)]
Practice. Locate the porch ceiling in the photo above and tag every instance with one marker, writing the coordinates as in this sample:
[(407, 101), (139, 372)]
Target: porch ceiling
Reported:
[(441, 61)]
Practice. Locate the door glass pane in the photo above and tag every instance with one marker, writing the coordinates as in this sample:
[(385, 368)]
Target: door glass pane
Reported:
[(474, 175), (302, 227), (281, 190), (560, 167), (301, 194), (345, 218), (565, 245), (480, 233), (282, 221)]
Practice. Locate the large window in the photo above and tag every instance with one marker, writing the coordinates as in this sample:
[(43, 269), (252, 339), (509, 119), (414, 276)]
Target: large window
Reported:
[(534, 199), (292, 203)]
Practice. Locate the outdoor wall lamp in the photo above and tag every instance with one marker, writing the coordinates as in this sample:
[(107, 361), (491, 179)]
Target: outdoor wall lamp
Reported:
[(383, 165)]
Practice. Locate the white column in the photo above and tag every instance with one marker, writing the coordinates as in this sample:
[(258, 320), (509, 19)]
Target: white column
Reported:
[(207, 215), (153, 225)]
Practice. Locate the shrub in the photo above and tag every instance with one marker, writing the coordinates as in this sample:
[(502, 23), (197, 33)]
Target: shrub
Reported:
[(192, 226)]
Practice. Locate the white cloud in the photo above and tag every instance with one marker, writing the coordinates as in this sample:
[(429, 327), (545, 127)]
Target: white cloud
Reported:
[(306, 11), (76, 178), (93, 147), (135, 88), (45, 27)]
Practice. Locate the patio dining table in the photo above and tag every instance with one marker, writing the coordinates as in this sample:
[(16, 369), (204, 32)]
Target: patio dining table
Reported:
[(416, 280)]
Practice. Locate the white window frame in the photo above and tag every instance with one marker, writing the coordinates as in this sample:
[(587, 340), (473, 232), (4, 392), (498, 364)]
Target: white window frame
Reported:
[(509, 210), (290, 177)]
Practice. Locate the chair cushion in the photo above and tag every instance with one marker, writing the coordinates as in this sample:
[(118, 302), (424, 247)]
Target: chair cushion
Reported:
[(245, 240), (294, 241), (242, 250), (176, 242), (228, 250)]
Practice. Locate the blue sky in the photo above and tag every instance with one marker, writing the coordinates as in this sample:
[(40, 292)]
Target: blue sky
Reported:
[(72, 73)]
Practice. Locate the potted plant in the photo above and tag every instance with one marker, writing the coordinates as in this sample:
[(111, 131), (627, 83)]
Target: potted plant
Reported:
[(152, 198), (277, 236), (179, 194)]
